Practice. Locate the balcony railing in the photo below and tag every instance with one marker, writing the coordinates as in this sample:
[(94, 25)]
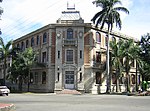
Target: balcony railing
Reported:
[(70, 42)]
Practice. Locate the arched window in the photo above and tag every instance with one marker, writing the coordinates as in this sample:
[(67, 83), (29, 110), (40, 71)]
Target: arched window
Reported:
[(98, 37), (22, 45), (69, 34), (27, 43), (37, 40), (45, 37), (32, 41)]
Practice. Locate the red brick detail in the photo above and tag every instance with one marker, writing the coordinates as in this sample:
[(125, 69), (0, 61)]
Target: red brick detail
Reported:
[(86, 55), (53, 38), (53, 54), (87, 40)]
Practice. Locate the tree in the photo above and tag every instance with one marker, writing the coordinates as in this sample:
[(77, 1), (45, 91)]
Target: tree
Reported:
[(116, 59), (18, 70), (29, 57), (145, 56), (6, 51), (129, 52), (108, 15)]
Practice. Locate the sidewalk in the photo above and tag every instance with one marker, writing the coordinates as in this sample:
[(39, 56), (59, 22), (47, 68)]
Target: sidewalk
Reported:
[(7, 107)]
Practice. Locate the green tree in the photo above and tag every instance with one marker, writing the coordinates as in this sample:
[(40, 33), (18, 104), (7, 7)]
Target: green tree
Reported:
[(145, 56), (128, 53), (116, 59), (6, 51), (109, 15), (18, 70), (29, 57)]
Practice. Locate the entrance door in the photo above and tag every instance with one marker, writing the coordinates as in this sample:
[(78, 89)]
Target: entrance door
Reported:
[(69, 80)]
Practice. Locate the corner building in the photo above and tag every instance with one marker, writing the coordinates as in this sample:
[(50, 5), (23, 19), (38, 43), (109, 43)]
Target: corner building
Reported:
[(72, 55)]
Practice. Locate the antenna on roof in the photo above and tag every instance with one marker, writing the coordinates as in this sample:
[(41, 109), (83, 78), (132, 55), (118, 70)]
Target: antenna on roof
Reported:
[(70, 7)]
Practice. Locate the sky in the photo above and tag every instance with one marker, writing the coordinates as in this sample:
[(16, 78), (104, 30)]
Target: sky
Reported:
[(21, 17)]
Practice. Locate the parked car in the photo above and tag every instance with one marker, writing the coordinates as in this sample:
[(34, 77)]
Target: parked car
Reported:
[(4, 90)]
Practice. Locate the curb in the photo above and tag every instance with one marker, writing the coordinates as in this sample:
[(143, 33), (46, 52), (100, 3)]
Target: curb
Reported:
[(7, 107)]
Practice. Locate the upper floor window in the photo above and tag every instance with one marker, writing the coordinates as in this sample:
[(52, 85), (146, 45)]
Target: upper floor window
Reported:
[(32, 41), (18, 45), (37, 40), (69, 56), (22, 45), (98, 37), (45, 37), (58, 54), (44, 57), (106, 40), (69, 34), (80, 54), (98, 57), (27, 43)]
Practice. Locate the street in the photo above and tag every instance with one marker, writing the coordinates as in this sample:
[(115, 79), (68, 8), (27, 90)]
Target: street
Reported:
[(86, 102)]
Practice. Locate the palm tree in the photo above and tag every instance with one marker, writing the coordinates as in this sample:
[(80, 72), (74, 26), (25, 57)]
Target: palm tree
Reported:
[(129, 56), (116, 57), (108, 15), (5, 51)]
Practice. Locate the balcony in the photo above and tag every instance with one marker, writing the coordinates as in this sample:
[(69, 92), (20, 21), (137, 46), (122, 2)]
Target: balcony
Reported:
[(70, 42)]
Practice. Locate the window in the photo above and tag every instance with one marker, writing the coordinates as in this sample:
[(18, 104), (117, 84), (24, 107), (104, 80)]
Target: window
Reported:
[(44, 57), (114, 78), (58, 76), (98, 37), (98, 57), (98, 78), (31, 78), (80, 77), (32, 41), (133, 78), (18, 46), (27, 43), (36, 77), (106, 40), (80, 54), (45, 37), (69, 34), (69, 55), (43, 77), (22, 45), (37, 40), (58, 54)]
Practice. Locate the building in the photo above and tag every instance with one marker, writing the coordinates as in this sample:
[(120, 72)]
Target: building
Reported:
[(73, 54)]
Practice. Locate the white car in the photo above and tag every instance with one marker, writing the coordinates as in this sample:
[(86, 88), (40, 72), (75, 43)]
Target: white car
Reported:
[(4, 90)]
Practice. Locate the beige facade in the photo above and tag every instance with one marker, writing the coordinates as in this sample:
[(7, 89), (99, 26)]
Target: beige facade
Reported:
[(73, 54)]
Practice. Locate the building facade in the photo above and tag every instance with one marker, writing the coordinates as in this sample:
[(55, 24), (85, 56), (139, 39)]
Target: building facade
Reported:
[(73, 54)]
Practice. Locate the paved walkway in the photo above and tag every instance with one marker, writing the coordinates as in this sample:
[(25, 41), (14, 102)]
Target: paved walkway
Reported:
[(7, 107)]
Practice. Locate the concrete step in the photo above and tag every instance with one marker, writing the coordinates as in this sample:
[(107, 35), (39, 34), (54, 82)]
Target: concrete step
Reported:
[(69, 91)]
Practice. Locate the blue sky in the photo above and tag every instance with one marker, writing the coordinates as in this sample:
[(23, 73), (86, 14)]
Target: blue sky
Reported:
[(24, 16)]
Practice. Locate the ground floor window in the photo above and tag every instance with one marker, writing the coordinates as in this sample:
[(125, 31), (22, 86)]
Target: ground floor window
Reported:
[(43, 77), (98, 78)]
